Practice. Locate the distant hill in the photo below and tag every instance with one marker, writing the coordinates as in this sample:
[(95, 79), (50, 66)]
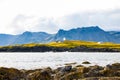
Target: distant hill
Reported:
[(26, 37), (32, 37), (115, 34), (6, 39), (92, 33)]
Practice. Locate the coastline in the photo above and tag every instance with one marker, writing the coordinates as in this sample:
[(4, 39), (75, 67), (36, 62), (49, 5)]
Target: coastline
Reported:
[(68, 72), (56, 49), (69, 46)]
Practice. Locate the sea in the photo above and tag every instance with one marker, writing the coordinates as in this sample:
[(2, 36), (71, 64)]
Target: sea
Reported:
[(34, 60)]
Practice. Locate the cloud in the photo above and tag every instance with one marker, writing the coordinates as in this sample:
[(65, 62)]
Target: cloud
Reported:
[(46, 25), (23, 23), (108, 20), (64, 14), (20, 24)]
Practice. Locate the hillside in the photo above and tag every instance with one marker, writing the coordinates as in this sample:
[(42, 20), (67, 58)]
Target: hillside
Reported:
[(92, 33), (70, 46)]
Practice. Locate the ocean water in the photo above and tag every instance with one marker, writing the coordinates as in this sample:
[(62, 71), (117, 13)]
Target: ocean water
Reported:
[(54, 60)]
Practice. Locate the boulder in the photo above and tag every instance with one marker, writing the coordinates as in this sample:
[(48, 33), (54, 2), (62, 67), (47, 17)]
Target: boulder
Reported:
[(39, 75), (10, 74), (116, 66), (94, 71), (86, 62)]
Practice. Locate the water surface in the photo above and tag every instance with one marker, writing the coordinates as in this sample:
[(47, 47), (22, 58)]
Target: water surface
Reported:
[(51, 59)]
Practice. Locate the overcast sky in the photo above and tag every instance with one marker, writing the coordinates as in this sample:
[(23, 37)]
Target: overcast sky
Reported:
[(17, 16)]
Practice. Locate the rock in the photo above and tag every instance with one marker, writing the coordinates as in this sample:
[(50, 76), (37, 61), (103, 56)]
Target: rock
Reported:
[(68, 68), (27, 72), (86, 62), (62, 73), (94, 71), (64, 69), (75, 74), (10, 74), (39, 75), (71, 63), (106, 73), (83, 69), (116, 66), (96, 67), (79, 66), (108, 67), (58, 69)]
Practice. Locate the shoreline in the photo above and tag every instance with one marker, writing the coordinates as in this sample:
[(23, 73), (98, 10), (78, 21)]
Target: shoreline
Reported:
[(67, 72), (69, 46), (56, 49)]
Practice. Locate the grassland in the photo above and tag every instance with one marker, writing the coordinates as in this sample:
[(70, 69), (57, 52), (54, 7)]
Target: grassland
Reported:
[(66, 45)]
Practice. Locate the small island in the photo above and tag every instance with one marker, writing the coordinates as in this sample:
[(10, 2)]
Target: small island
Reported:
[(63, 46)]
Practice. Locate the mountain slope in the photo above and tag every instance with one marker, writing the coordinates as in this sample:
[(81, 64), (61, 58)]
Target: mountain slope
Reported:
[(115, 34), (32, 37), (93, 33), (26, 37), (6, 39)]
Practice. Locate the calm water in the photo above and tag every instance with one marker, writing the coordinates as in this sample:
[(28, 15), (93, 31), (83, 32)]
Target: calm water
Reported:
[(38, 60)]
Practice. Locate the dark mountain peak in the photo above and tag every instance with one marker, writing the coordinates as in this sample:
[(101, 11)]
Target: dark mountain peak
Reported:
[(61, 31), (27, 32), (93, 28), (83, 29), (92, 33)]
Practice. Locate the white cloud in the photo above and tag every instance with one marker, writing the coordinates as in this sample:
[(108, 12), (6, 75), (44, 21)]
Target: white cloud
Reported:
[(107, 20), (35, 24), (55, 9), (46, 25)]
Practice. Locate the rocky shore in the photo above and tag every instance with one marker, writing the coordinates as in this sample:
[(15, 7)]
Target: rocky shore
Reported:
[(56, 49), (68, 72)]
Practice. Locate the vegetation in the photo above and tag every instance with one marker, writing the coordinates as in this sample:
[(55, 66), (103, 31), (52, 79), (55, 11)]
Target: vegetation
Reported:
[(68, 45)]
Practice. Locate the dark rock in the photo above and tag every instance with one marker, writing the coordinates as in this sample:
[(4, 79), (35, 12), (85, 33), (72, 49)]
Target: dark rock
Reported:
[(79, 66), (39, 75), (94, 71), (64, 73), (10, 74), (71, 63), (67, 68), (86, 62), (116, 66)]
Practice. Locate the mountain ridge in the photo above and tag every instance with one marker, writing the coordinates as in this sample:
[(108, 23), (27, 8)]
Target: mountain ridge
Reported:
[(91, 33)]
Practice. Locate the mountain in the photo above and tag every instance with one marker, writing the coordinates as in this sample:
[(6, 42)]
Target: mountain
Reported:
[(26, 37), (32, 37), (115, 34), (92, 33), (6, 39)]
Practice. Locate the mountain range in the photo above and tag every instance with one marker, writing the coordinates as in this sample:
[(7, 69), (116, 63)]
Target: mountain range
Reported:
[(92, 33)]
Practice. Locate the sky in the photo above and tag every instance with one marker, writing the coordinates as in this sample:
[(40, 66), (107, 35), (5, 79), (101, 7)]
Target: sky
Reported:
[(18, 16)]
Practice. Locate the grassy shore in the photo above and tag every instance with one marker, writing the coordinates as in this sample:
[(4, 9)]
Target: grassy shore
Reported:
[(71, 46)]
